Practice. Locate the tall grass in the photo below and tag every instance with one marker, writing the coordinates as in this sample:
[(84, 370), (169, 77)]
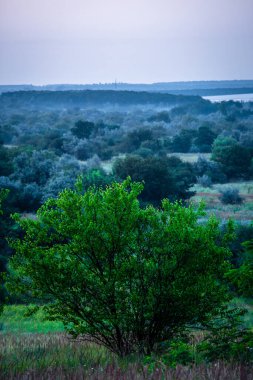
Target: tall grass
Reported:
[(28, 351), (55, 356)]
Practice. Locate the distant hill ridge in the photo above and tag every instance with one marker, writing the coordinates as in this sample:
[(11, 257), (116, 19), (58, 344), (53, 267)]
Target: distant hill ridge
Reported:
[(86, 98), (202, 88)]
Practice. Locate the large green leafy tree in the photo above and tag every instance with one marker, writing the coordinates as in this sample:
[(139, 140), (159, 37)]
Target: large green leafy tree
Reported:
[(183, 141), (234, 158), (205, 138), (164, 177), (118, 274), (134, 139), (83, 129), (221, 144)]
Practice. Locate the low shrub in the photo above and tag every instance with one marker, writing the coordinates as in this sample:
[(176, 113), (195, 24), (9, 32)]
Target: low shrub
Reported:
[(230, 195), (204, 181)]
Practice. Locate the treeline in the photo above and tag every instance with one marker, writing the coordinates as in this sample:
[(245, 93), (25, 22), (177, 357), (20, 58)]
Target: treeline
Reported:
[(183, 88), (86, 98)]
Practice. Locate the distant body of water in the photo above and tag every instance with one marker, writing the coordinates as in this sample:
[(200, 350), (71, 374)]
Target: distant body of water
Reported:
[(235, 97)]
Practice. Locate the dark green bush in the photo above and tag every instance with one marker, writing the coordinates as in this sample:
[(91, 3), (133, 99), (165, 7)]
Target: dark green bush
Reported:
[(230, 195)]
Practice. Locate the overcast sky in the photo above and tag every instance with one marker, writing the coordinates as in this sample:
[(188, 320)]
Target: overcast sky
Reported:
[(137, 41)]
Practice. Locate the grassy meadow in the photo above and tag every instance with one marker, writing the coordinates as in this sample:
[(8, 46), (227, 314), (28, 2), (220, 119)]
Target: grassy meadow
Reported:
[(190, 157), (211, 196)]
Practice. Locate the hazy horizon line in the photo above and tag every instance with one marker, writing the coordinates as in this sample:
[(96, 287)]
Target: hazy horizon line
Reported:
[(129, 83)]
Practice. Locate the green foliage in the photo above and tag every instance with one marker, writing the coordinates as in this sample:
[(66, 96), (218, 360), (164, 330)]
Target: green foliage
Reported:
[(242, 277), (230, 195), (96, 178), (227, 339), (163, 177), (204, 139), (211, 169), (7, 132), (243, 232), (178, 351), (135, 138), (6, 166), (153, 171), (83, 129), (124, 276), (204, 181), (21, 197), (3, 196), (183, 141), (235, 158), (201, 139), (22, 319), (160, 116), (220, 145), (34, 167)]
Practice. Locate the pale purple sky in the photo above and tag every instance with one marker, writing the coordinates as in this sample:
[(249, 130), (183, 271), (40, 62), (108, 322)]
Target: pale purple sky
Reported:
[(91, 41)]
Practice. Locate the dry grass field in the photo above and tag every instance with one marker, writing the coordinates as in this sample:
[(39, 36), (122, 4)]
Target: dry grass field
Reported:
[(190, 157), (211, 196)]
